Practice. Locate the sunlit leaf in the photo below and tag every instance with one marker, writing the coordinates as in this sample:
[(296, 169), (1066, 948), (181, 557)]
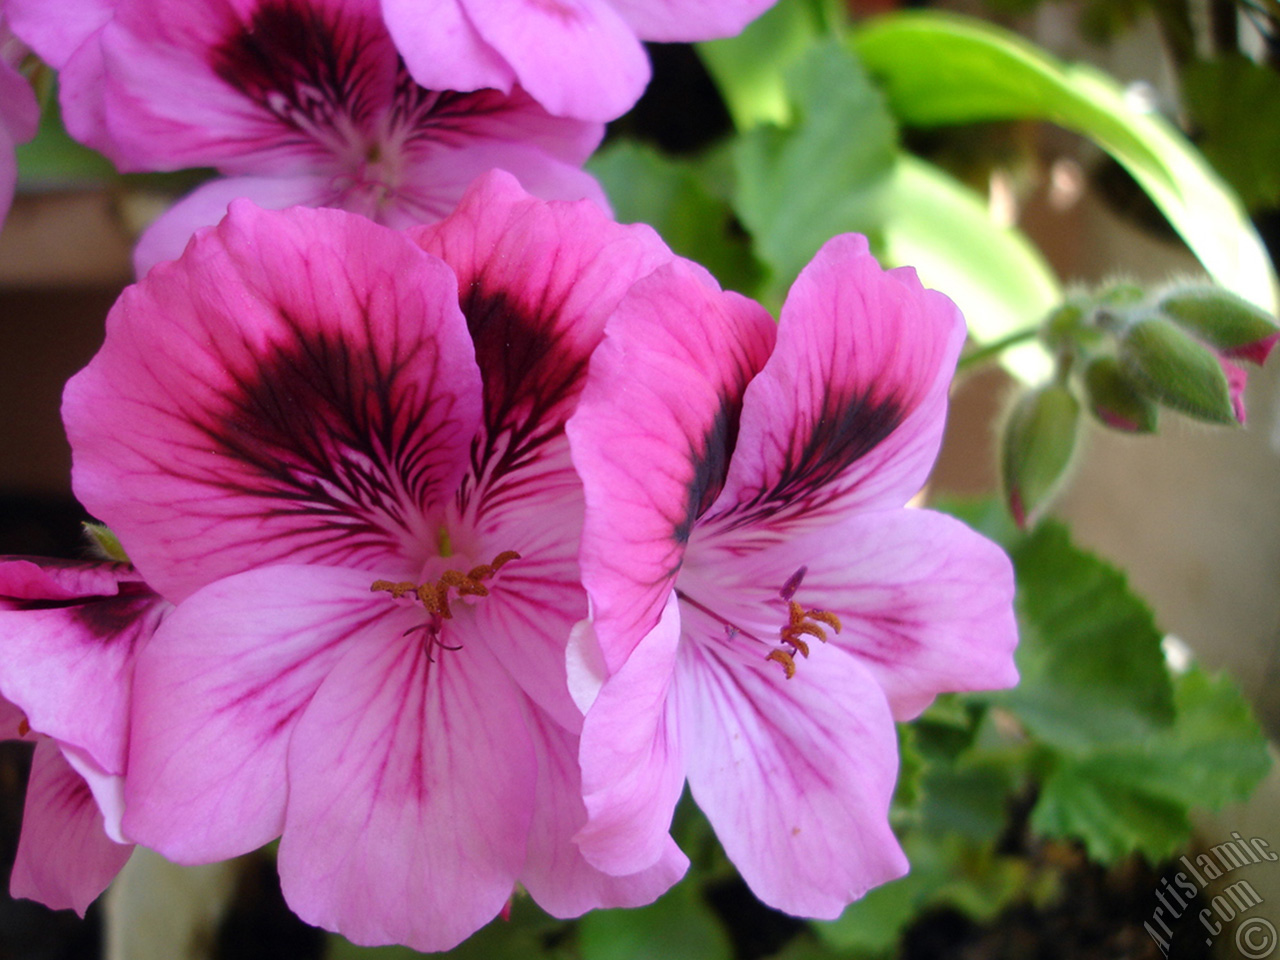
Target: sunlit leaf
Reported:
[(939, 69)]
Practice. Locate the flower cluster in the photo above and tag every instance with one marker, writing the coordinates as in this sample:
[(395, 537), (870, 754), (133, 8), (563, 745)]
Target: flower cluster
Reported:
[(464, 527)]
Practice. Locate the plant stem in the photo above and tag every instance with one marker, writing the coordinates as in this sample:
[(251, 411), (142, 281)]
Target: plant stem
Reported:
[(987, 351)]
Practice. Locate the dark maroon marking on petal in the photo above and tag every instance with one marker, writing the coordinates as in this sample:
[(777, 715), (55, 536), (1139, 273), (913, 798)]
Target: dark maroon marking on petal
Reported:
[(302, 68), (845, 432), (710, 465), (131, 615), (316, 71), (329, 438), (532, 375), (443, 116)]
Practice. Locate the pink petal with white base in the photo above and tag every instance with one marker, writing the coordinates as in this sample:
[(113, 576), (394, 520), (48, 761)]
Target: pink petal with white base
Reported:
[(64, 858), (555, 873), (682, 353), (577, 58), (924, 603), (410, 779), (794, 775), (218, 693), (632, 758), (299, 387), (849, 411)]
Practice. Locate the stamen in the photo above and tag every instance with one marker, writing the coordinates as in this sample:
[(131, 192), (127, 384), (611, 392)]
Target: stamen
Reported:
[(788, 662), (825, 616), (23, 727), (434, 594)]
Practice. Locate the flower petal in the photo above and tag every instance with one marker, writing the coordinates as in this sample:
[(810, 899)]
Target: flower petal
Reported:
[(652, 437), (441, 47), (555, 873), (631, 757), (170, 233), (300, 386), (218, 693), (577, 58), (55, 29), (68, 664), (924, 603), (409, 796), (536, 282), (271, 87), (795, 775), (64, 858), (685, 21), (850, 408)]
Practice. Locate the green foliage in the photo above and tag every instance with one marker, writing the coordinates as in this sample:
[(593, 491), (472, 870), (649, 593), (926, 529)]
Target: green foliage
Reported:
[(1092, 670), (681, 200), (1236, 106), (1136, 795), (823, 174), (938, 69), (679, 924)]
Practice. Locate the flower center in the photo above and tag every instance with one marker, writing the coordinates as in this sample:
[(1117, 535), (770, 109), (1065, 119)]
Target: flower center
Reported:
[(435, 595), (801, 622)]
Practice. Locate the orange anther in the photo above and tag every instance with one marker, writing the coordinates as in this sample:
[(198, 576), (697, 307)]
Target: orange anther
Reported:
[(825, 616), (802, 648), (788, 662), (796, 611), (23, 727), (502, 559), (812, 629)]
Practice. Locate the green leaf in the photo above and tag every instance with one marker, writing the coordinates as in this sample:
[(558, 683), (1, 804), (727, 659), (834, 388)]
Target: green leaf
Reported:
[(1111, 819), (1138, 795), (750, 68), (825, 174), (940, 69), (675, 198), (1236, 104), (1089, 655), (678, 924), (994, 273), (54, 160)]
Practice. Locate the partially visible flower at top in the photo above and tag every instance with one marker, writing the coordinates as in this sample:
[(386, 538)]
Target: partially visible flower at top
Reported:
[(19, 113), (764, 607), (69, 635), (341, 448), (578, 58), (303, 102)]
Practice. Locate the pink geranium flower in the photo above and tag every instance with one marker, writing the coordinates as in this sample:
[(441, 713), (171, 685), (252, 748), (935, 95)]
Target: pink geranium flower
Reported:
[(578, 58), (342, 449), (19, 114), (299, 102), (763, 605), (69, 636)]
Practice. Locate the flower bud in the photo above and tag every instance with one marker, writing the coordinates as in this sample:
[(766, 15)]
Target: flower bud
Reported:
[(1169, 366), (1039, 437), (1224, 321), (1114, 400)]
